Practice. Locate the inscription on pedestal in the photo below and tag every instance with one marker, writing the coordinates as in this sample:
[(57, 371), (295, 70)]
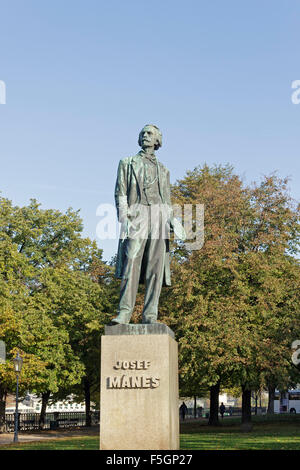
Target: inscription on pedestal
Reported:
[(130, 380)]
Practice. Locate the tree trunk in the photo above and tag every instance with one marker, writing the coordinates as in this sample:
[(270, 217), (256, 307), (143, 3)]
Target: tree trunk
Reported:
[(246, 405), (271, 398), (87, 398), (45, 399), (2, 409), (214, 405), (195, 406)]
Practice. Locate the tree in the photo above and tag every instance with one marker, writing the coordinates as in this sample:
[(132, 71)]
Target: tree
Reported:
[(207, 299), (37, 249), (271, 272), (77, 304), (231, 300), (50, 342)]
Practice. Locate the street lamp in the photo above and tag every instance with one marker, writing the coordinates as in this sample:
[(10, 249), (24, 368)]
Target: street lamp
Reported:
[(18, 361)]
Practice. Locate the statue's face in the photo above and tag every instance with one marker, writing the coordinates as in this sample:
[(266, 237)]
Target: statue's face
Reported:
[(148, 137)]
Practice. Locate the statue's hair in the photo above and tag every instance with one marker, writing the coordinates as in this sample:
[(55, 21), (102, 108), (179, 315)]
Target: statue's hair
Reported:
[(158, 136)]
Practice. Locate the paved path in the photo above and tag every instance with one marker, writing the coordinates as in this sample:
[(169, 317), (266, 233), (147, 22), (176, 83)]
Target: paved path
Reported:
[(7, 438)]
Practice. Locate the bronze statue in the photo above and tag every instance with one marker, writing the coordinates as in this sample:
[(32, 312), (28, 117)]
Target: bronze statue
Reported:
[(142, 196)]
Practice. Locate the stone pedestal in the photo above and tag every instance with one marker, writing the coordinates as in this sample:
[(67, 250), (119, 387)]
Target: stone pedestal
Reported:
[(139, 388)]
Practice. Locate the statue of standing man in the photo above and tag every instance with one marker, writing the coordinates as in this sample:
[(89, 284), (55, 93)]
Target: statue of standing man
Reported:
[(142, 196)]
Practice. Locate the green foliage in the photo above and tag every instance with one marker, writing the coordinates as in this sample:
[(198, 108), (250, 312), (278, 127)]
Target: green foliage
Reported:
[(234, 303), (51, 308)]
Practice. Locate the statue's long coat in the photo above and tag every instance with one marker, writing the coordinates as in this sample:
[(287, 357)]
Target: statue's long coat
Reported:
[(128, 192)]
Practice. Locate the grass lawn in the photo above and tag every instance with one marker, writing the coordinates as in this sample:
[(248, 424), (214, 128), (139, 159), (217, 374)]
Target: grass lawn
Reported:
[(74, 443), (275, 433), (268, 433)]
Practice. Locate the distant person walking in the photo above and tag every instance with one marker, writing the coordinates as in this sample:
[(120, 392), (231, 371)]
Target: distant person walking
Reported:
[(222, 410), (183, 410)]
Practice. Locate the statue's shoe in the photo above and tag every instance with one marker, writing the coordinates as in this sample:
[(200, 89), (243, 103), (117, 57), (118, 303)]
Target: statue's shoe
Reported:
[(116, 321)]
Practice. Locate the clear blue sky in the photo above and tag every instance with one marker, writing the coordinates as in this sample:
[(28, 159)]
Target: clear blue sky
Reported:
[(84, 76)]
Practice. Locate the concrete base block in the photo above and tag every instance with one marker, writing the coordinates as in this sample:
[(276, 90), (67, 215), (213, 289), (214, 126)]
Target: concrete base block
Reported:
[(139, 389)]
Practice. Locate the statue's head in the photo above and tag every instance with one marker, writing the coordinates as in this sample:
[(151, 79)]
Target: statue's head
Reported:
[(157, 135)]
